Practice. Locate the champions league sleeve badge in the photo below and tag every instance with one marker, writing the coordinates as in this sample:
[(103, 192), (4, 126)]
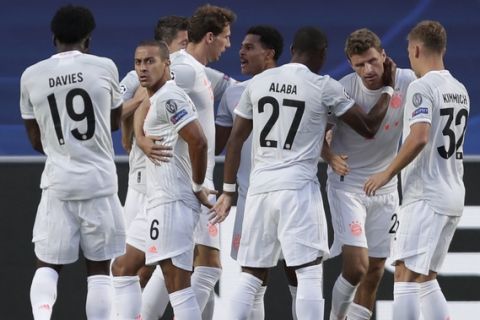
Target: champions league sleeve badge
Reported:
[(171, 106), (417, 99)]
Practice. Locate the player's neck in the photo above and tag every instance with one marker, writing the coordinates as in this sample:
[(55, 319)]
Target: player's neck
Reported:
[(70, 47), (430, 64), (198, 52)]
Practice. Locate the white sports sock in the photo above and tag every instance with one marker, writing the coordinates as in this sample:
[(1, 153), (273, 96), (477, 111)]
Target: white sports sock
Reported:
[(184, 304), (406, 301), (99, 297), (203, 282), (258, 308), (128, 297), (241, 300), (342, 297), (155, 296), (432, 301), (310, 302), (207, 313), (358, 312), (43, 293), (293, 293)]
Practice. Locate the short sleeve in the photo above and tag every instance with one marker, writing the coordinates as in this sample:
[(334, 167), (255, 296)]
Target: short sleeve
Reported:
[(116, 92), (336, 98), (224, 115), (184, 76), (179, 110), (129, 85), (245, 106), (418, 105), (26, 107)]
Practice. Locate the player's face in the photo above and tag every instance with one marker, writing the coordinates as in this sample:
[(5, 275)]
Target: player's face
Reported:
[(151, 70), (180, 41), (219, 44), (253, 56), (369, 66)]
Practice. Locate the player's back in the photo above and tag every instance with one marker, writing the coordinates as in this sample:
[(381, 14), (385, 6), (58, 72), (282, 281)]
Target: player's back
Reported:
[(289, 107), (436, 174), (71, 96)]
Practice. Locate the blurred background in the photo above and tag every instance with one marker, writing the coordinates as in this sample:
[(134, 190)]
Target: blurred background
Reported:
[(26, 39)]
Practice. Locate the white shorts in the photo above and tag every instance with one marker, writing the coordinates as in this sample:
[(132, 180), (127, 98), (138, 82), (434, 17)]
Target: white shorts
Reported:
[(205, 233), (423, 237), (291, 221), (362, 221), (137, 230), (237, 226), (134, 202), (61, 226), (170, 234)]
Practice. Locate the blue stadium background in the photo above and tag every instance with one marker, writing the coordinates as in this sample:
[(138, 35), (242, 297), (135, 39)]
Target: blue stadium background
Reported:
[(26, 39)]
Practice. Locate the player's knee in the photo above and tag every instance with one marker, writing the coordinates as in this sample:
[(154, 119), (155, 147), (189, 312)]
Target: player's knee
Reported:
[(120, 268), (354, 273)]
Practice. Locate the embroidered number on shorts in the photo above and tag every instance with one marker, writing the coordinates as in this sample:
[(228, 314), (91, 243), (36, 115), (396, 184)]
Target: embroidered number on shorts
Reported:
[(300, 105), (395, 224), (154, 230), (87, 114)]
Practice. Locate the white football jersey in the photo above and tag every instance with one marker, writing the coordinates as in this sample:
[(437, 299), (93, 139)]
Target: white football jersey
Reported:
[(71, 96), (136, 157), (171, 109), (219, 82), (289, 107), (369, 156), (436, 174), (225, 116), (189, 74)]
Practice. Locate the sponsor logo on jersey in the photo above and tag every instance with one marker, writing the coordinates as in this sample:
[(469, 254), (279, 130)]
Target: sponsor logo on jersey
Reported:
[(417, 99), (171, 106), (178, 116), (419, 111)]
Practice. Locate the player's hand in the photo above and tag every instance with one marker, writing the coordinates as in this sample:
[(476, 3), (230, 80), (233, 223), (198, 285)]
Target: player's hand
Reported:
[(203, 195), (154, 149), (389, 72), (338, 163), (375, 182), (221, 209)]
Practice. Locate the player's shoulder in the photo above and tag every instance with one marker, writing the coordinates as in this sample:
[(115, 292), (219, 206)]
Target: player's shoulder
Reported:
[(405, 75), (102, 62), (37, 68), (236, 87)]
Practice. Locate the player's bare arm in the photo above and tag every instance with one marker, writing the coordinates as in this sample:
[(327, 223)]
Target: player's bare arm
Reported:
[(193, 135), (221, 137), (128, 110), (367, 124), (34, 135), (156, 152), (240, 132), (115, 118), (413, 145), (338, 162)]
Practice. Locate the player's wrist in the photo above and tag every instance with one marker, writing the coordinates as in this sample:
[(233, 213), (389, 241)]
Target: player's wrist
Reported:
[(388, 90), (196, 187), (229, 187)]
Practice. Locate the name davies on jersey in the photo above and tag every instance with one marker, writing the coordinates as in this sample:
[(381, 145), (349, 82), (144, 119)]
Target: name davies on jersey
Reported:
[(65, 79), (283, 88)]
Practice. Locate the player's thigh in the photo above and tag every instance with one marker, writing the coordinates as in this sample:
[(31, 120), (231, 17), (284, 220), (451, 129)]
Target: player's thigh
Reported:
[(302, 227), (237, 226), (170, 234), (259, 245), (56, 232), (348, 214), (381, 223), (102, 228)]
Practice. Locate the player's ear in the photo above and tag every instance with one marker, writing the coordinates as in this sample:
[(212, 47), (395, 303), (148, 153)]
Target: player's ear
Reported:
[(86, 43), (54, 40)]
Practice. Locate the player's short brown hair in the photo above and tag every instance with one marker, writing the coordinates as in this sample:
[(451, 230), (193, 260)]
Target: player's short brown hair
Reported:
[(359, 41), (209, 18), (432, 34)]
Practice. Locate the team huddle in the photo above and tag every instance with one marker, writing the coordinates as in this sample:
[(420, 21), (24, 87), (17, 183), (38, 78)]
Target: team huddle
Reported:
[(163, 246)]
